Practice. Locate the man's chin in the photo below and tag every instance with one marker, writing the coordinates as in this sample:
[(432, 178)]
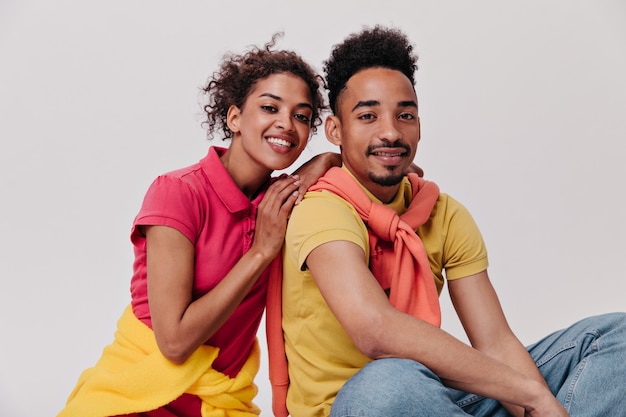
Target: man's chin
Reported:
[(388, 180)]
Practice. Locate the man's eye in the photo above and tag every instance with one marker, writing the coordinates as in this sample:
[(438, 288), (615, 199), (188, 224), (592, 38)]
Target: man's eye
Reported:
[(407, 116), (367, 116)]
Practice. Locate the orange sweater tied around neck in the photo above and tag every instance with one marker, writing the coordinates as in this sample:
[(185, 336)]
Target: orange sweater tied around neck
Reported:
[(410, 280)]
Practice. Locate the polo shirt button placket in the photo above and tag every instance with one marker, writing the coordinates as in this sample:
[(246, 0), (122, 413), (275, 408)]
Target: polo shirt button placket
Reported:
[(249, 230)]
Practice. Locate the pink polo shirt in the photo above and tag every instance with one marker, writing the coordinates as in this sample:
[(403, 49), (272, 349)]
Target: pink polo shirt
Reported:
[(203, 203)]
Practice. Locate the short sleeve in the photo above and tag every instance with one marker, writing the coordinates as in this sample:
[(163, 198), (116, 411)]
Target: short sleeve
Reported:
[(320, 218), (172, 202), (464, 250)]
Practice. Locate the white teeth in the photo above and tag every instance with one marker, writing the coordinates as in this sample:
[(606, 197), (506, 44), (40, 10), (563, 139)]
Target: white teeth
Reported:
[(387, 154), (279, 142)]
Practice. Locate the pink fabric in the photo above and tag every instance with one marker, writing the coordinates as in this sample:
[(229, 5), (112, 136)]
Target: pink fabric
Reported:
[(405, 269), (203, 202)]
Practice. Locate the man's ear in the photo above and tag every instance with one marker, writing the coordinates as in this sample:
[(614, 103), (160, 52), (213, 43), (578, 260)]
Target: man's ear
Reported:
[(232, 118), (419, 129), (332, 129)]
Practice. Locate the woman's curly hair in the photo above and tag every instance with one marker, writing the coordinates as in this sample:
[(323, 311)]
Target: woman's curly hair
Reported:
[(238, 74), (372, 47)]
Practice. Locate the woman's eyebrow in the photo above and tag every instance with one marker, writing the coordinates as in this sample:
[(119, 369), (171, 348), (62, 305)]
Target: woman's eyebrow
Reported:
[(277, 98)]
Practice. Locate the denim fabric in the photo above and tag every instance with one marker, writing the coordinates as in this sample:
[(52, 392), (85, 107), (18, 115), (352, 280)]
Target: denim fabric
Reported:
[(584, 365)]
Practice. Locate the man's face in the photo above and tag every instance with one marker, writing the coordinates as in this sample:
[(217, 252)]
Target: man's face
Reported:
[(377, 127)]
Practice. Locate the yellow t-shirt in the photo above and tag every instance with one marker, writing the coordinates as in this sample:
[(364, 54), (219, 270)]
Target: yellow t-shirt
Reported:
[(321, 356)]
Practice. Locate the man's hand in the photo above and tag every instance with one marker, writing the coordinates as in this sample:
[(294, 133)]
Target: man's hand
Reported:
[(546, 406), (554, 410)]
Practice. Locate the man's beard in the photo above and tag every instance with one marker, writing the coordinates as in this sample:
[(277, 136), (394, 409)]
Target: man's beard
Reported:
[(387, 180), (391, 179)]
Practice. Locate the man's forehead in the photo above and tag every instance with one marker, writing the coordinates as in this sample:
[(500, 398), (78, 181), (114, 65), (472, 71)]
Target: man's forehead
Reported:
[(379, 85)]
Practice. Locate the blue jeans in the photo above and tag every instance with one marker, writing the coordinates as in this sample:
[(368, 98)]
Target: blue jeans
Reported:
[(584, 365)]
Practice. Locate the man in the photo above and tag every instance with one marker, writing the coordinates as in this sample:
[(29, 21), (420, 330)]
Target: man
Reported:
[(360, 288)]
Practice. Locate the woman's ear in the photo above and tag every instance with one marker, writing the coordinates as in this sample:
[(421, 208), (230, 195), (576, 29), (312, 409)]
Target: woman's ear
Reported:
[(332, 129), (232, 118)]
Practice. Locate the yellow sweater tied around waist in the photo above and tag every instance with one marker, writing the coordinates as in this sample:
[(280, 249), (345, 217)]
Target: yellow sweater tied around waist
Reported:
[(133, 376)]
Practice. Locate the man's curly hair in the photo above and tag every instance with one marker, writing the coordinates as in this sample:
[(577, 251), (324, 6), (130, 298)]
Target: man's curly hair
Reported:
[(372, 47), (238, 74)]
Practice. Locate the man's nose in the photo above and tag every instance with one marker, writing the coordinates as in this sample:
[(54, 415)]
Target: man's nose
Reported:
[(388, 129)]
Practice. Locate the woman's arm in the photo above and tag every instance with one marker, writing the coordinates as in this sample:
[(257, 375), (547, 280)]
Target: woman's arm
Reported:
[(181, 324), (314, 168), (317, 166)]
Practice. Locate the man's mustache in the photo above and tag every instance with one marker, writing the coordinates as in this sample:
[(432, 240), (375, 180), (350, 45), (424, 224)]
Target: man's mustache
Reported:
[(396, 144)]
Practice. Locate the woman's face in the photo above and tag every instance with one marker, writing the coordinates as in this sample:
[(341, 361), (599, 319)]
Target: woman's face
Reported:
[(274, 124)]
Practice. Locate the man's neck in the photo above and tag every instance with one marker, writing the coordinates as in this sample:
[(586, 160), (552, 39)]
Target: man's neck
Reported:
[(385, 194)]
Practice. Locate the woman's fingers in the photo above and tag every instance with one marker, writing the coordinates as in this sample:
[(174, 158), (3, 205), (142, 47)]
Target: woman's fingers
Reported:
[(273, 212), (281, 195)]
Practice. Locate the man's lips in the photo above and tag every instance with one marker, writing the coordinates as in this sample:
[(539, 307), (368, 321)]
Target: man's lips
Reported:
[(390, 149), (390, 155)]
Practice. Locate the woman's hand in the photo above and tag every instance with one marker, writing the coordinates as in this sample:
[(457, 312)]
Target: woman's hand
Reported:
[(416, 170), (312, 170), (272, 215)]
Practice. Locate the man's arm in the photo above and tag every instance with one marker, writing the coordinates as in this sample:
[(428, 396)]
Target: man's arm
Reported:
[(481, 315), (379, 331)]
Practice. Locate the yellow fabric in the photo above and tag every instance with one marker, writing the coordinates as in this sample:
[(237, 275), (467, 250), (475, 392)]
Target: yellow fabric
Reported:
[(398, 258), (322, 357), (133, 376)]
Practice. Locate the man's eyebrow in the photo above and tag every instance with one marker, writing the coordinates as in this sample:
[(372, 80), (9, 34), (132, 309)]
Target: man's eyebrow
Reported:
[(277, 98), (370, 103), (407, 103), (366, 103)]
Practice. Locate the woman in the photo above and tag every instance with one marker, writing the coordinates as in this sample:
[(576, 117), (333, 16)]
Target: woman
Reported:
[(203, 239)]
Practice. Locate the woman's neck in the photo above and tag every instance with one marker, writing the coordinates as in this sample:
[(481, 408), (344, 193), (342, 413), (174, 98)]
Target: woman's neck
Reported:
[(246, 173)]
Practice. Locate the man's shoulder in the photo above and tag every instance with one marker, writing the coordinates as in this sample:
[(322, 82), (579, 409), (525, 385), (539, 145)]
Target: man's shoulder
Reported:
[(323, 217), (324, 197), (447, 205), (324, 213), (323, 205)]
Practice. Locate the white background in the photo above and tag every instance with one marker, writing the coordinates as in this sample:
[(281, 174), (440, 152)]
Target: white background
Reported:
[(523, 108)]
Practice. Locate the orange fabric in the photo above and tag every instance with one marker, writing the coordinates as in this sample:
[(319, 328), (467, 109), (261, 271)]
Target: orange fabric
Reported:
[(277, 358), (410, 280)]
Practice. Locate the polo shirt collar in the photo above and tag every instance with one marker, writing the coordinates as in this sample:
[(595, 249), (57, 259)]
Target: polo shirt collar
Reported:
[(223, 184)]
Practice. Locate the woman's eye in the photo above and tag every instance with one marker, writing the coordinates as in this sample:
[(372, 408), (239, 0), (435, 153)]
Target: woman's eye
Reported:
[(270, 109), (302, 117)]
